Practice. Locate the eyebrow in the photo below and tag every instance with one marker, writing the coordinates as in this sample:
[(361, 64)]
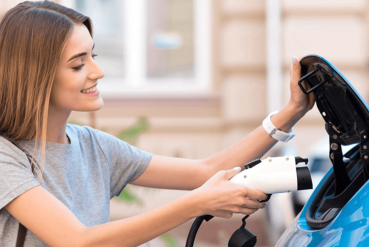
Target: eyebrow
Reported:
[(80, 54)]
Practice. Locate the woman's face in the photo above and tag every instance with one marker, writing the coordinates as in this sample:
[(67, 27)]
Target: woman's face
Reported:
[(75, 85)]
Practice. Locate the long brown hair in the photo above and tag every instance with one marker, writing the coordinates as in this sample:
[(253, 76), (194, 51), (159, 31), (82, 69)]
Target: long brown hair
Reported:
[(32, 38)]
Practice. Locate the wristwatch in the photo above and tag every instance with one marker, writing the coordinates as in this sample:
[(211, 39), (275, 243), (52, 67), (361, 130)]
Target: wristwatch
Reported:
[(274, 132)]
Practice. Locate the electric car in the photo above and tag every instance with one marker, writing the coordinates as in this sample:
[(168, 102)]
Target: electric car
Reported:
[(283, 207), (336, 214)]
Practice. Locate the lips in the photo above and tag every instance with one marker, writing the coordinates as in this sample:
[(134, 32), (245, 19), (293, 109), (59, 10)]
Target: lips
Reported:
[(89, 90)]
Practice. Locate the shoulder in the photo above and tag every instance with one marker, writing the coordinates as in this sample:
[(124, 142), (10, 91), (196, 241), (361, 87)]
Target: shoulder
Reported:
[(108, 143), (87, 133), (79, 130), (12, 159), (9, 150), (94, 138)]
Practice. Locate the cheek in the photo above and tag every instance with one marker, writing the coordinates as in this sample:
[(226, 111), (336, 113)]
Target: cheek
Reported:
[(66, 88)]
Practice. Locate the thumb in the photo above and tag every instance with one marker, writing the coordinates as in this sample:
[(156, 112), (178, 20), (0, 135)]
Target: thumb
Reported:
[(295, 68), (232, 172)]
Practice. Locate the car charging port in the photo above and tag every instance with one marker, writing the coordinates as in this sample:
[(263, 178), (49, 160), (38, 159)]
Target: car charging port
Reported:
[(327, 204)]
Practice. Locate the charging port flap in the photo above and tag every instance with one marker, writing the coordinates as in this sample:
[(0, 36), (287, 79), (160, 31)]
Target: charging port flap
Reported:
[(346, 116)]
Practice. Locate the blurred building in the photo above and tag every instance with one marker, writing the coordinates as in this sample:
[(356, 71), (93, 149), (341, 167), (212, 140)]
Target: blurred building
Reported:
[(206, 73), (198, 103)]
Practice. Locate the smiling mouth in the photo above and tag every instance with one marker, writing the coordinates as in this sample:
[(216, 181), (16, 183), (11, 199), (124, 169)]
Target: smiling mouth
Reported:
[(89, 90)]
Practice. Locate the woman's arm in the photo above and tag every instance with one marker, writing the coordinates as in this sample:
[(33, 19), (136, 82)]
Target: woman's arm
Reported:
[(174, 173), (55, 224)]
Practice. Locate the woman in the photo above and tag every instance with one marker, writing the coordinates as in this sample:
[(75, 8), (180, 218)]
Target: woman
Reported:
[(57, 179)]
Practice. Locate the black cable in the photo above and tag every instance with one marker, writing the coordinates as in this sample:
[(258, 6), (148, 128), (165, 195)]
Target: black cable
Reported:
[(244, 221), (198, 221), (195, 227), (242, 237)]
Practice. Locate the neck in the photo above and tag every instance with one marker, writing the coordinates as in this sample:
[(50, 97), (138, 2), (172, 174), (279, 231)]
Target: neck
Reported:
[(56, 126)]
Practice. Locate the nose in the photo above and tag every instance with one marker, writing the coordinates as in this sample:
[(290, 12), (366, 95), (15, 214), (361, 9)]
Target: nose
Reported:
[(95, 72)]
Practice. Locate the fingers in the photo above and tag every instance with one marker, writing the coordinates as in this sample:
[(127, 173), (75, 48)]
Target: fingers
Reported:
[(303, 55), (249, 207), (228, 174), (242, 210), (295, 72), (295, 69), (255, 194), (232, 172), (246, 211), (251, 204), (223, 214), (236, 210), (231, 197)]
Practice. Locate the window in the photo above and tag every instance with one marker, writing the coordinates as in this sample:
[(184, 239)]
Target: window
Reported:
[(150, 47)]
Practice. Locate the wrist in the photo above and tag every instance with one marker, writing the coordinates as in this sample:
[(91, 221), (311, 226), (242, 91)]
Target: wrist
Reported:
[(274, 132), (193, 198), (286, 118), (297, 110)]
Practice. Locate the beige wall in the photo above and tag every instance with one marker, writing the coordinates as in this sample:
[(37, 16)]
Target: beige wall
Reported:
[(198, 127)]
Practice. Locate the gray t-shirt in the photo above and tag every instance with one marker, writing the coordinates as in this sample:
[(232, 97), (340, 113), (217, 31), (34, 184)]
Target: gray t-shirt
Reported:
[(84, 176)]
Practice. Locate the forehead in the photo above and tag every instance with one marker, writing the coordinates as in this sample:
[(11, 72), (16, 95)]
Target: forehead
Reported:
[(79, 41)]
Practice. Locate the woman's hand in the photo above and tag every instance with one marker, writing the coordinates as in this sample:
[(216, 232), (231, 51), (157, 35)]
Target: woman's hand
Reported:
[(222, 198), (299, 101)]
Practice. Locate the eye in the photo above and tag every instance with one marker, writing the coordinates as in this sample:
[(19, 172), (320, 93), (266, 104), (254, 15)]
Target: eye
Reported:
[(94, 55), (78, 67)]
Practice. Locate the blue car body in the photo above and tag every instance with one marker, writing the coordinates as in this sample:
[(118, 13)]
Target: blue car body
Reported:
[(337, 212), (349, 228)]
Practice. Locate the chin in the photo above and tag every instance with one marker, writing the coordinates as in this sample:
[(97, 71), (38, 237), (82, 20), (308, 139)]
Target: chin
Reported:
[(98, 105), (91, 107)]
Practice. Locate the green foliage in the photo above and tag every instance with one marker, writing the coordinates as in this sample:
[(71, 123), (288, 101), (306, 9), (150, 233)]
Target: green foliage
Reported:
[(76, 123), (131, 134), (169, 240), (128, 196)]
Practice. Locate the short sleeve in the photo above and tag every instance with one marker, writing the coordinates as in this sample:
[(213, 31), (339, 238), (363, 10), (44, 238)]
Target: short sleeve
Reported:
[(127, 162), (15, 173)]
